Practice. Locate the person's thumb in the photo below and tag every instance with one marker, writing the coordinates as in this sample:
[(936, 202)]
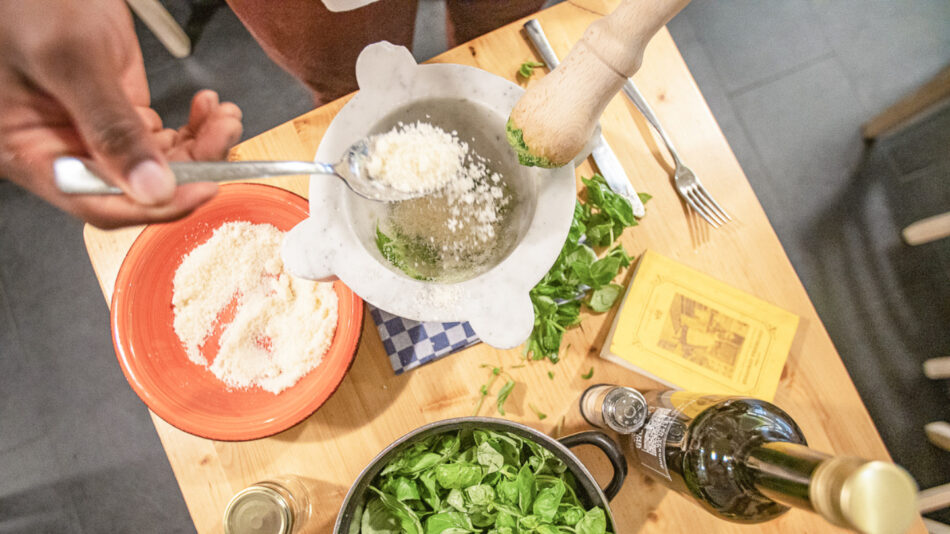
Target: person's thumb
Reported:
[(116, 137)]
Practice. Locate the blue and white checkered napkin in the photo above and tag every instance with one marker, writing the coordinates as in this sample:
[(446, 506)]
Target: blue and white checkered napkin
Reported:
[(411, 344)]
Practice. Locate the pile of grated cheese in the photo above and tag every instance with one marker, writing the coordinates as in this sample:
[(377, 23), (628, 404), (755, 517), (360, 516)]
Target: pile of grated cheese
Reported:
[(282, 325), (416, 157), (459, 218)]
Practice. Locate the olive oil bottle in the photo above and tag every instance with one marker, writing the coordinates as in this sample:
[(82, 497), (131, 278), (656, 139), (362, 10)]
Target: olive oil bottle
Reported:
[(746, 460)]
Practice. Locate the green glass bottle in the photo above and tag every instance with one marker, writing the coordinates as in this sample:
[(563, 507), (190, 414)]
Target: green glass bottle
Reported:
[(745, 460)]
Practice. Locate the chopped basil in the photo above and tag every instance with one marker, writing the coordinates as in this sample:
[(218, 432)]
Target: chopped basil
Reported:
[(578, 276)]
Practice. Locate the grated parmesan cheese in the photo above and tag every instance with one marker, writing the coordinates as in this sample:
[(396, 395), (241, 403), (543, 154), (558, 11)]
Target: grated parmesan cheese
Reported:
[(416, 157), (459, 220), (282, 325)]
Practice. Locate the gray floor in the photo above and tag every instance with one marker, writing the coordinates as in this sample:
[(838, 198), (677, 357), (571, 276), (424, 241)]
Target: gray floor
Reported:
[(790, 83)]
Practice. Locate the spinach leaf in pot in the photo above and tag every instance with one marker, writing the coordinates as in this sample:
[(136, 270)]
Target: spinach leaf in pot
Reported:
[(483, 482)]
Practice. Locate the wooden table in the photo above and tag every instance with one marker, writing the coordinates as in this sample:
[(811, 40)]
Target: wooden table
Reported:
[(373, 407)]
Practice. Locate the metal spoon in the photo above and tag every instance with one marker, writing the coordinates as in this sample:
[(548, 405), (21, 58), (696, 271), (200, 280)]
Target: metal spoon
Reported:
[(80, 176)]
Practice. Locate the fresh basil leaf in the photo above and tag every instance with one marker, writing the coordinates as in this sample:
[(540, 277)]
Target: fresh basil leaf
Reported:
[(405, 489), (619, 209), (503, 395), (489, 458), (507, 492), (456, 499), (546, 503), (394, 465), (578, 224), (581, 261), (621, 253), (529, 523), (430, 490), (593, 522), (448, 522), (448, 445), (457, 475), (483, 518), (544, 306), (510, 447), (480, 494), (569, 514), (527, 68), (600, 231), (421, 462), (526, 488), (603, 271), (506, 518), (378, 519), (408, 519), (603, 298)]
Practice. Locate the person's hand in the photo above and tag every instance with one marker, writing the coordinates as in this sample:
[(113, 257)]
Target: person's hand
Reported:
[(72, 82)]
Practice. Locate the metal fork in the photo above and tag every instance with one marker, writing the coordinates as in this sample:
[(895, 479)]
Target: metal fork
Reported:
[(687, 184)]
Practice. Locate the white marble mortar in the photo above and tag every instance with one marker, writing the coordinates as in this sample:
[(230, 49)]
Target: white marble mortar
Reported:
[(326, 245)]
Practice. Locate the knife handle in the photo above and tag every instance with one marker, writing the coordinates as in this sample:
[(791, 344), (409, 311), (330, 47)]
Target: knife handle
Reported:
[(541, 44)]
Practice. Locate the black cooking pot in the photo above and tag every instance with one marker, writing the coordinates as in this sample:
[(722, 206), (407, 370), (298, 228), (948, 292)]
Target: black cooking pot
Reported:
[(347, 522)]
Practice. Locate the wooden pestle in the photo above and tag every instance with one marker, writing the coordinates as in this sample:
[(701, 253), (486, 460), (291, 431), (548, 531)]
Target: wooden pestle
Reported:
[(555, 118)]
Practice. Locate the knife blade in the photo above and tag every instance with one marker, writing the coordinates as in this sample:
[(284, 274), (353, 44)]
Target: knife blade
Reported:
[(607, 162), (615, 176)]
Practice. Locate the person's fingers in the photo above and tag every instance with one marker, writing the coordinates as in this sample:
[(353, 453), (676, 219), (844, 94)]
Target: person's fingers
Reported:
[(205, 105), (153, 122), (212, 129), (114, 132), (232, 110), (165, 140), (116, 211), (216, 136), (34, 171), (202, 105)]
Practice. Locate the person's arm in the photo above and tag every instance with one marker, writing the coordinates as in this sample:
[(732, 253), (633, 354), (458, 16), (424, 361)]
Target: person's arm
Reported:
[(72, 82)]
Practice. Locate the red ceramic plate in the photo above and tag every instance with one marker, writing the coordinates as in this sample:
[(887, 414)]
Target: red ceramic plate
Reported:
[(187, 395)]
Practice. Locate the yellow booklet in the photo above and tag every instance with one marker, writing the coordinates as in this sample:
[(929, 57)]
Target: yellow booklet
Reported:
[(690, 331)]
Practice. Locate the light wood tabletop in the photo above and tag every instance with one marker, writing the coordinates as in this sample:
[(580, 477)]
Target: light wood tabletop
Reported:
[(373, 407)]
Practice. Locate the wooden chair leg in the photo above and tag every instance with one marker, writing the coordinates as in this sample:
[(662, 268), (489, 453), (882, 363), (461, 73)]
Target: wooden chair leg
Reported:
[(932, 499), (937, 368), (927, 230), (163, 25), (910, 106), (936, 527), (938, 433)]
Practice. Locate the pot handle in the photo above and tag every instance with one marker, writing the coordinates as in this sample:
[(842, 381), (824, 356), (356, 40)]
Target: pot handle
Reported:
[(610, 448)]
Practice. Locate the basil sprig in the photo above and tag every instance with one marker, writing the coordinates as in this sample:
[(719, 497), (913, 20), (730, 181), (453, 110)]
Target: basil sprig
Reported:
[(579, 277)]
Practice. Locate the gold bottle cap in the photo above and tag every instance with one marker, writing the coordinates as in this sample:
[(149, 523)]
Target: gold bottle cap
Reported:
[(871, 497), (258, 510)]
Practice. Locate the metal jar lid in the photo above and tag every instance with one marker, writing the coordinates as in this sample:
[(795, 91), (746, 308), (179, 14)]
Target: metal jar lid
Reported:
[(258, 510)]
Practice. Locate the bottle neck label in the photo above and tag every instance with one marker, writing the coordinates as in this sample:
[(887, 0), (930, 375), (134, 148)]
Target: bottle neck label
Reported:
[(671, 412)]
